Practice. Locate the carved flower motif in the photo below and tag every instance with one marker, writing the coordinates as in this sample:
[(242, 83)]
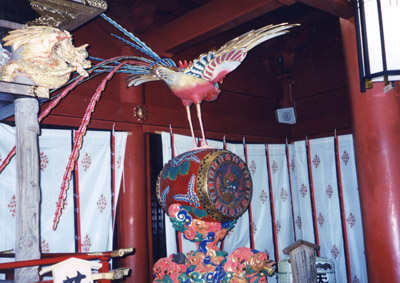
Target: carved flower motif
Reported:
[(140, 112)]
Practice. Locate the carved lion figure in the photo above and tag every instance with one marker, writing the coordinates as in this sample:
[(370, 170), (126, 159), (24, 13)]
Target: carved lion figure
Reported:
[(48, 56)]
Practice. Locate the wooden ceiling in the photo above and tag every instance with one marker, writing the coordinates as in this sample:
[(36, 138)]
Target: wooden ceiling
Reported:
[(184, 23)]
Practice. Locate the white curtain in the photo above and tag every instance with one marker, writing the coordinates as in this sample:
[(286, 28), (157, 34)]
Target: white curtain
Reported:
[(281, 197), (352, 209), (294, 170), (261, 207), (54, 149), (7, 191), (327, 206), (303, 217), (93, 176), (95, 191)]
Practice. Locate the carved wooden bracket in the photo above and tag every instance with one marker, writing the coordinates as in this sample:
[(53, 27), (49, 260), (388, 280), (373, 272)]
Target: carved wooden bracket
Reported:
[(66, 14)]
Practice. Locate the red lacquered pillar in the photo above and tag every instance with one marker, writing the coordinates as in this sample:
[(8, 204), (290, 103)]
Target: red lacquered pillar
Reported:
[(376, 128), (132, 208)]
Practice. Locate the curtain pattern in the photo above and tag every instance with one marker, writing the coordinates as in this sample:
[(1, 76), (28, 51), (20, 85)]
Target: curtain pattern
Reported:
[(327, 206), (303, 214), (94, 189), (282, 201), (7, 191), (261, 206), (54, 149), (282, 197), (352, 209), (94, 178)]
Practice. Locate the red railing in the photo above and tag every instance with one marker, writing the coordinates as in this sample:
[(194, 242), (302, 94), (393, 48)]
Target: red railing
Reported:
[(53, 258)]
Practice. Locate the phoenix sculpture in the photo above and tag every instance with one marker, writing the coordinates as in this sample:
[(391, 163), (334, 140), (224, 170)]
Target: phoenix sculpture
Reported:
[(199, 80)]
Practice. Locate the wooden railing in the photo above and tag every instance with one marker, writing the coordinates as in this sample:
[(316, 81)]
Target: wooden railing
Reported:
[(103, 276)]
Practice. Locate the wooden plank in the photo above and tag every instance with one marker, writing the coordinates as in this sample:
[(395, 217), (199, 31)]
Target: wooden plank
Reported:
[(287, 2), (28, 190), (340, 8), (15, 88), (206, 21)]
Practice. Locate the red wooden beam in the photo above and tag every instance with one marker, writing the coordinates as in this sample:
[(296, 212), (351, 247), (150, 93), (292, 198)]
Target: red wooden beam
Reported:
[(56, 258), (340, 8), (206, 21)]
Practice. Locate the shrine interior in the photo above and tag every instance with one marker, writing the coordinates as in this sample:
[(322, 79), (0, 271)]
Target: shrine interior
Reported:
[(306, 71)]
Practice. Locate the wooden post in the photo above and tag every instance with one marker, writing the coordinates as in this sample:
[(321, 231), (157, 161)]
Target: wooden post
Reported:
[(28, 190), (376, 117), (132, 208)]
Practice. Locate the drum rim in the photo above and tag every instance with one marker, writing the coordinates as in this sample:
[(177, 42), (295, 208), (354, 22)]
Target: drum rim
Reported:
[(202, 187)]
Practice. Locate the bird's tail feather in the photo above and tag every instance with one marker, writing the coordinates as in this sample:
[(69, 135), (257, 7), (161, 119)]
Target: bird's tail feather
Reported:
[(254, 37), (136, 80), (269, 33), (138, 44)]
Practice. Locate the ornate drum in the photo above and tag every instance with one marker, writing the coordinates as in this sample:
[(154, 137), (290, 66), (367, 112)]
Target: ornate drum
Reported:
[(211, 184)]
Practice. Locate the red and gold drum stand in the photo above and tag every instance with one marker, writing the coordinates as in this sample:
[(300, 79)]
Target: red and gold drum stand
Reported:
[(204, 191)]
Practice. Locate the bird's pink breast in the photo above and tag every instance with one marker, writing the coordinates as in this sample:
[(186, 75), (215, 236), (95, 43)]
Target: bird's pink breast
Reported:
[(196, 93)]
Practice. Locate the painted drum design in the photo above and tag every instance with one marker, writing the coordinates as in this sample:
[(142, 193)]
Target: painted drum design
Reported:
[(212, 184)]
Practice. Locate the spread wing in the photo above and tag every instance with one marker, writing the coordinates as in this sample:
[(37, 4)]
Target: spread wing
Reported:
[(216, 64), (36, 40)]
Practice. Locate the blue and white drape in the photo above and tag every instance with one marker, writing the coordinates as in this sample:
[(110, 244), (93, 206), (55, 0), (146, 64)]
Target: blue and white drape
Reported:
[(296, 195), (92, 178)]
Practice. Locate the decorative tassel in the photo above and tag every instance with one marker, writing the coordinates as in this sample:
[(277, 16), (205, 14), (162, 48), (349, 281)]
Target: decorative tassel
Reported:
[(78, 144)]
